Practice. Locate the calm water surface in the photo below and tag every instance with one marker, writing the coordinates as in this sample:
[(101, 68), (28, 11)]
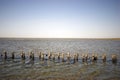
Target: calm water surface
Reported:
[(49, 69)]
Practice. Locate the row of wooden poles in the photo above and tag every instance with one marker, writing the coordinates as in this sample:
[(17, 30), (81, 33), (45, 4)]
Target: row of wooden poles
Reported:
[(50, 55)]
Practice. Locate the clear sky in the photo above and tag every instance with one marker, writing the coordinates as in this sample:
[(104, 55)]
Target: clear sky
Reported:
[(60, 18)]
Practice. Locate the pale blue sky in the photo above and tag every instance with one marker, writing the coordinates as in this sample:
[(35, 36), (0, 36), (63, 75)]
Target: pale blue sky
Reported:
[(60, 18)]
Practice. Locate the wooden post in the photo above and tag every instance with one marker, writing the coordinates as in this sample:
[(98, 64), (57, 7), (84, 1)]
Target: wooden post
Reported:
[(13, 55), (114, 58), (68, 56), (31, 55), (94, 57), (86, 57), (83, 57), (5, 54), (23, 55), (74, 58), (104, 57), (49, 55), (58, 56), (77, 55), (40, 55)]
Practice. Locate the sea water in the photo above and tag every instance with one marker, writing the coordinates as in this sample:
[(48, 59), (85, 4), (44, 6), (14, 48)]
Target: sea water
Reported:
[(54, 69)]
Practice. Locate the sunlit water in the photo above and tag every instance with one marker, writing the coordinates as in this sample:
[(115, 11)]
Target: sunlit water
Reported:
[(18, 69)]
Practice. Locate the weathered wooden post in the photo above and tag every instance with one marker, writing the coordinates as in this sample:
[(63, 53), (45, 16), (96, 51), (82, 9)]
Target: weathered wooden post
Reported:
[(49, 55), (43, 56), (58, 56), (5, 54), (86, 57), (83, 57), (114, 58), (94, 57), (23, 55), (74, 58), (40, 55), (104, 57), (68, 56), (31, 55), (77, 56), (13, 55)]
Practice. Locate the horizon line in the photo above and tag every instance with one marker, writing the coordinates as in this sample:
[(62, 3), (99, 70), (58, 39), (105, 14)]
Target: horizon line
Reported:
[(113, 38)]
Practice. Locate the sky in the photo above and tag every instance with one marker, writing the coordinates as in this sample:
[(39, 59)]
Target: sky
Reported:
[(60, 18)]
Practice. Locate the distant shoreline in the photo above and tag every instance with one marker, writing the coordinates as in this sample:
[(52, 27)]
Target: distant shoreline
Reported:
[(61, 38)]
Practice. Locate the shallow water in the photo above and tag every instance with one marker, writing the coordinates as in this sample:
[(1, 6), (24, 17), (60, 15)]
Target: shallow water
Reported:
[(55, 69)]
